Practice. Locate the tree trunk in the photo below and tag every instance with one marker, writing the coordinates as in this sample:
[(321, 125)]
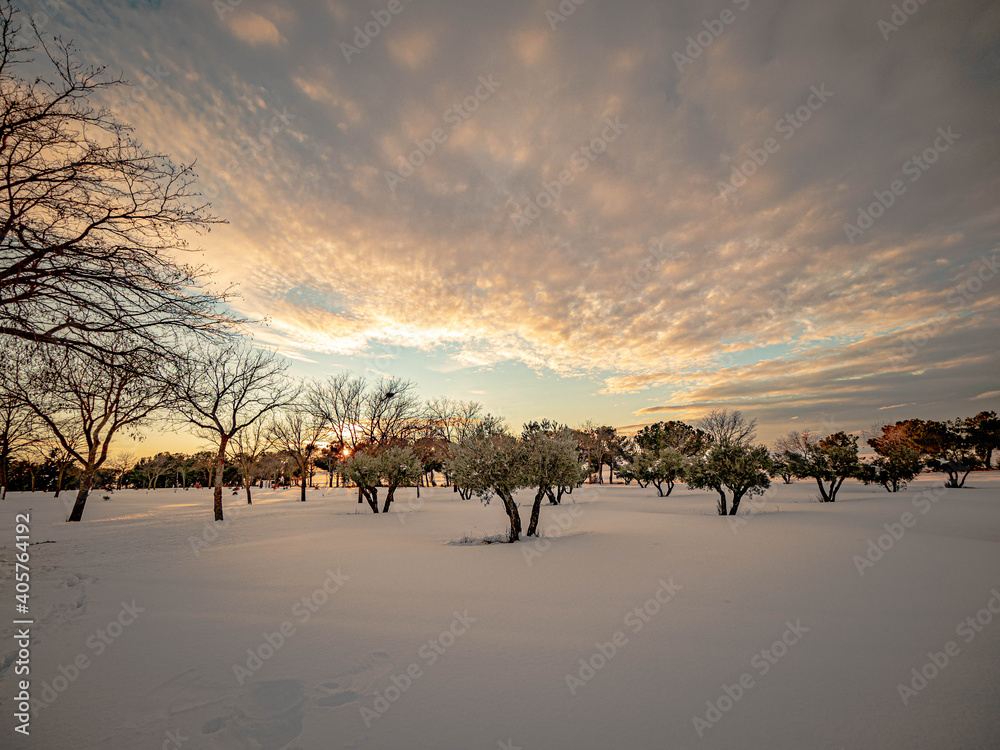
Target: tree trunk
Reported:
[(360, 495), (736, 504), (86, 482), (388, 497), (722, 501), (835, 488), (512, 513), (303, 493), (59, 480), (220, 468), (535, 512), (247, 483), (822, 490), (371, 494)]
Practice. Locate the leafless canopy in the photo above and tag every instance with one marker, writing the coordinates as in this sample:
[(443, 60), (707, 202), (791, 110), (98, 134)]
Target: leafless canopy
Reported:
[(90, 221), (729, 427)]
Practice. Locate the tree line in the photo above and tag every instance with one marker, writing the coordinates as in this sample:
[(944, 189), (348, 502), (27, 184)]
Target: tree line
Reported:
[(105, 331)]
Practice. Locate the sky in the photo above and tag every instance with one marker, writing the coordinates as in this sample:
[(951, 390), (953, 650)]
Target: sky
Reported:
[(617, 211)]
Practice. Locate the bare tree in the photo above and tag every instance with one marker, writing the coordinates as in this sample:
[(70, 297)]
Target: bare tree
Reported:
[(296, 433), (223, 390), (729, 428), (19, 425), (246, 448), (390, 411), (77, 396), (119, 464), (90, 222)]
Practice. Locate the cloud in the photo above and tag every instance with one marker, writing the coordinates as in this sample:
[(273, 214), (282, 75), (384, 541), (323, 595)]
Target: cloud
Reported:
[(255, 29), (637, 273)]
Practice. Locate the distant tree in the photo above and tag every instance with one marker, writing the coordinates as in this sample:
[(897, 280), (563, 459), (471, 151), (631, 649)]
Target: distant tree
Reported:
[(296, 432), (680, 436), (983, 431), (728, 427), (740, 470), (20, 427), (490, 462), (829, 460), (897, 462), (156, 467), (944, 446), (658, 467), (433, 452), (246, 449), (390, 412), (223, 390), (781, 468), (550, 460), (92, 225), (118, 464), (338, 402)]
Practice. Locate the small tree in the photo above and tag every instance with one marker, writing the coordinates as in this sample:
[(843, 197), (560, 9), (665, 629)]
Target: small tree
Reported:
[(944, 446), (829, 461), (398, 466), (550, 460), (365, 470), (656, 467), (780, 467), (87, 403), (491, 463), (898, 460), (740, 470), (983, 432)]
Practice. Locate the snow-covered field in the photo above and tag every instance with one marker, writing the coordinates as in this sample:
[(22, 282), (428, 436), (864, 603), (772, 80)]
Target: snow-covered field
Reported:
[(321, 625)]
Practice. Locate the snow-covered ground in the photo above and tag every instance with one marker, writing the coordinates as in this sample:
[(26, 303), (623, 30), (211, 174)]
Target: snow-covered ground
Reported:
[(321, 625)]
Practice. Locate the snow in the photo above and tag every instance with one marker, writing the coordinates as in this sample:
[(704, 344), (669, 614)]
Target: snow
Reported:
[(483, 637)]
